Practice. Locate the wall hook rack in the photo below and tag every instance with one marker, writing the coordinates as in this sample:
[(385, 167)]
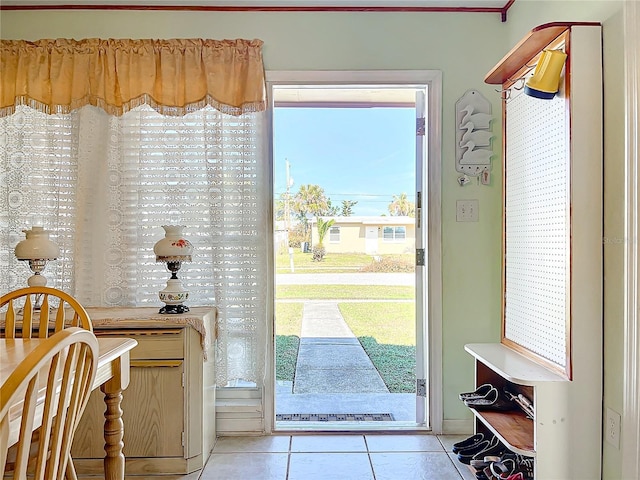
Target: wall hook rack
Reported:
[(473, 135)]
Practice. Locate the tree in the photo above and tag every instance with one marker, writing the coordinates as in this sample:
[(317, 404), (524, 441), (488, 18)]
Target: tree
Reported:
[(401, 206), (310, 200), (323, 229), (331, 210), (279, 207), (347, 207)]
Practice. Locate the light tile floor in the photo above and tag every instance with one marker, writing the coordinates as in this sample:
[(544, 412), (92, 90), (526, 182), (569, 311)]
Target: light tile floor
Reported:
[(335, 457)]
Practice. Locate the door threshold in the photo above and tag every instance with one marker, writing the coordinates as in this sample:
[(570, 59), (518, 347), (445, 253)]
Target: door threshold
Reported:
[(349, 427)]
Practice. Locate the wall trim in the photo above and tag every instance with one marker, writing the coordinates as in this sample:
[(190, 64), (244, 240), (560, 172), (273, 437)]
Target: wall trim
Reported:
[(458, 427), (631, 367), (499, 7)]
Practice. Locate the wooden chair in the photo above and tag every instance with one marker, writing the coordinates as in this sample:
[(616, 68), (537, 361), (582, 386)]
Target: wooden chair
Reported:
[(41, 319), (24, 320), (67, 361)]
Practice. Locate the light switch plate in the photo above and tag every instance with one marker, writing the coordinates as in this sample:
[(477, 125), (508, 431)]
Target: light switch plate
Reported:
[(466, 210)]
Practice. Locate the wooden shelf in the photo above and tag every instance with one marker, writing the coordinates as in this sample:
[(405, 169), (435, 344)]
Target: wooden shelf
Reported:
[(531, 45), (513, 428)]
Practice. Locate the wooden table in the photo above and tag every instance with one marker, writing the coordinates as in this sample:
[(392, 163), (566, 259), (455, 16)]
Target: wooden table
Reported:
[(112, 377)]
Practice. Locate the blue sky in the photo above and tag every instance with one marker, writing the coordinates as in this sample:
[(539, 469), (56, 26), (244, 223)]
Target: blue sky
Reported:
[(361, 154)]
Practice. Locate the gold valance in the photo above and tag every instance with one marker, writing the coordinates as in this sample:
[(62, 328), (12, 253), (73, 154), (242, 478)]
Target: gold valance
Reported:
[(173, 76)]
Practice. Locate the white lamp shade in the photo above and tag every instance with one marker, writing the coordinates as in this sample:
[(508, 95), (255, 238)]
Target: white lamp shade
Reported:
[(173, 247), (37, 246)]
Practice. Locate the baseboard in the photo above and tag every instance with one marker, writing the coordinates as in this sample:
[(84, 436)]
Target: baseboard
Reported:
[(457, 427)]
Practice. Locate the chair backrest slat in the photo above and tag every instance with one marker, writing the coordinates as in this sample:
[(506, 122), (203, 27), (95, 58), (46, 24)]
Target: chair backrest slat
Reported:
[(10, 321), (43, 327), (26, 426), (27, 318), (60, 317)]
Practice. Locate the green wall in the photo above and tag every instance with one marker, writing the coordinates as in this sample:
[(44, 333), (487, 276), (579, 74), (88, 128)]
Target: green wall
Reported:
[(463, 46)]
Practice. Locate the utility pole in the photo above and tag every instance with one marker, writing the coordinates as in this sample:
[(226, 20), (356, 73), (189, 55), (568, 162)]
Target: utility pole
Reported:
[(287, 199), (287, 211)]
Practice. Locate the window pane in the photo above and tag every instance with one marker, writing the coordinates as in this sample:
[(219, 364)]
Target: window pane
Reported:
[(334, 234)]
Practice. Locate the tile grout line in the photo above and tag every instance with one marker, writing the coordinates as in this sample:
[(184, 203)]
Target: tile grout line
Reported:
[(366, 444)]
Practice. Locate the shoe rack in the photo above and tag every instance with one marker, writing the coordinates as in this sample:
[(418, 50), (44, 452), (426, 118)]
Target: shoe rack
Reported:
[(551, 345), (505, 368)]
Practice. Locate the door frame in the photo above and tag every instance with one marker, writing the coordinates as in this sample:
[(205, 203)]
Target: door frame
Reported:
[(433, 80), (631, 360)]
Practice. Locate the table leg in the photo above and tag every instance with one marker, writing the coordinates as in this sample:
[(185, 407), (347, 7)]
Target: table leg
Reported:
[(113, 424), (113, 435)]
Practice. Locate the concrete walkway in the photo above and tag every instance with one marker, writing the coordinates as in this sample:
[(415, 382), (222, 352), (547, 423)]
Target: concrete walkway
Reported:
[(330, 357)]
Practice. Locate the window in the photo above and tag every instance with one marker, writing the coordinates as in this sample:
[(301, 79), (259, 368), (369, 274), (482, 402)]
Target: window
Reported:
[(394, 234), (105, 185), (334, 235)]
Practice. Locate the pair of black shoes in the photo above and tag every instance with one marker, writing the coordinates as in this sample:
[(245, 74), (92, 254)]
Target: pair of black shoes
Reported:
[(487, 397), (477, 447)]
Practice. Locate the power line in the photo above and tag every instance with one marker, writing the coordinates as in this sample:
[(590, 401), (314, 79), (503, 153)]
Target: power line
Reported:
[(360, 194)]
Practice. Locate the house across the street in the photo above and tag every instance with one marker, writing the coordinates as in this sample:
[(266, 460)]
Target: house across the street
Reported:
[(370, 235)]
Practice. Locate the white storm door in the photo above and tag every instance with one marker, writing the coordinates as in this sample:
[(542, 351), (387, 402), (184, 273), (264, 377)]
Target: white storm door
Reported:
[(421, 284), (371, 240)]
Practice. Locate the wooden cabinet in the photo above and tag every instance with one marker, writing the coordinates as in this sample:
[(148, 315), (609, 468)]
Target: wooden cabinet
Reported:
[(169, 406)]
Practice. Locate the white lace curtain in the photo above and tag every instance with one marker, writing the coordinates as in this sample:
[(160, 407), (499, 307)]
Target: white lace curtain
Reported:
[(105, 185)]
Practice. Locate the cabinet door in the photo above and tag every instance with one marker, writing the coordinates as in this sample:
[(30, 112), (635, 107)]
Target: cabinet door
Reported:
[(153, 414), (154, 409)]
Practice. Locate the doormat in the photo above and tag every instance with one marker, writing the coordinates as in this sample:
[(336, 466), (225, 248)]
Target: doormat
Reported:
[(334, 417)]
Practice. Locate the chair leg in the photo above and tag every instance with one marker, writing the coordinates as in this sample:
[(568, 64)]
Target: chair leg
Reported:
[(70, 473)]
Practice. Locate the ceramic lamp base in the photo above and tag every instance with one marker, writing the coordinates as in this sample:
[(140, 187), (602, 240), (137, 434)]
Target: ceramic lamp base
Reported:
[(174, 296)]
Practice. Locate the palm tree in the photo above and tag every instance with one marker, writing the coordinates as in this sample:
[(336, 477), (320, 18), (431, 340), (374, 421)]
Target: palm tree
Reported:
[(401, 206), (310, 199), (347, 207), (323, 229)]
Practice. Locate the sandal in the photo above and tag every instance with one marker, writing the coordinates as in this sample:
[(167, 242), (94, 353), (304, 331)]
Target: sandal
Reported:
[(481, 391), (492, 401), (504, 468)]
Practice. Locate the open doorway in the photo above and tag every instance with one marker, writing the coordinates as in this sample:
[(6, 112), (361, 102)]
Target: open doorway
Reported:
[(351, 343)]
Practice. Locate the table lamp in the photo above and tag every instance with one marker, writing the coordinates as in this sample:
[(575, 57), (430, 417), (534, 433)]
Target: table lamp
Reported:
[(173, 249), (37, 249)]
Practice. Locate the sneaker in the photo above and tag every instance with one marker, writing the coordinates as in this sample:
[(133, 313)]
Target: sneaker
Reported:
[(485, 448), (466, 455), (525, 466), (495, 448), (469, 442)]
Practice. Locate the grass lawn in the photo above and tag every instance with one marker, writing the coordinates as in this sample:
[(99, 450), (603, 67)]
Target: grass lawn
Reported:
[(332, 263), (345, 292), (386, 331), (288, 323)]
